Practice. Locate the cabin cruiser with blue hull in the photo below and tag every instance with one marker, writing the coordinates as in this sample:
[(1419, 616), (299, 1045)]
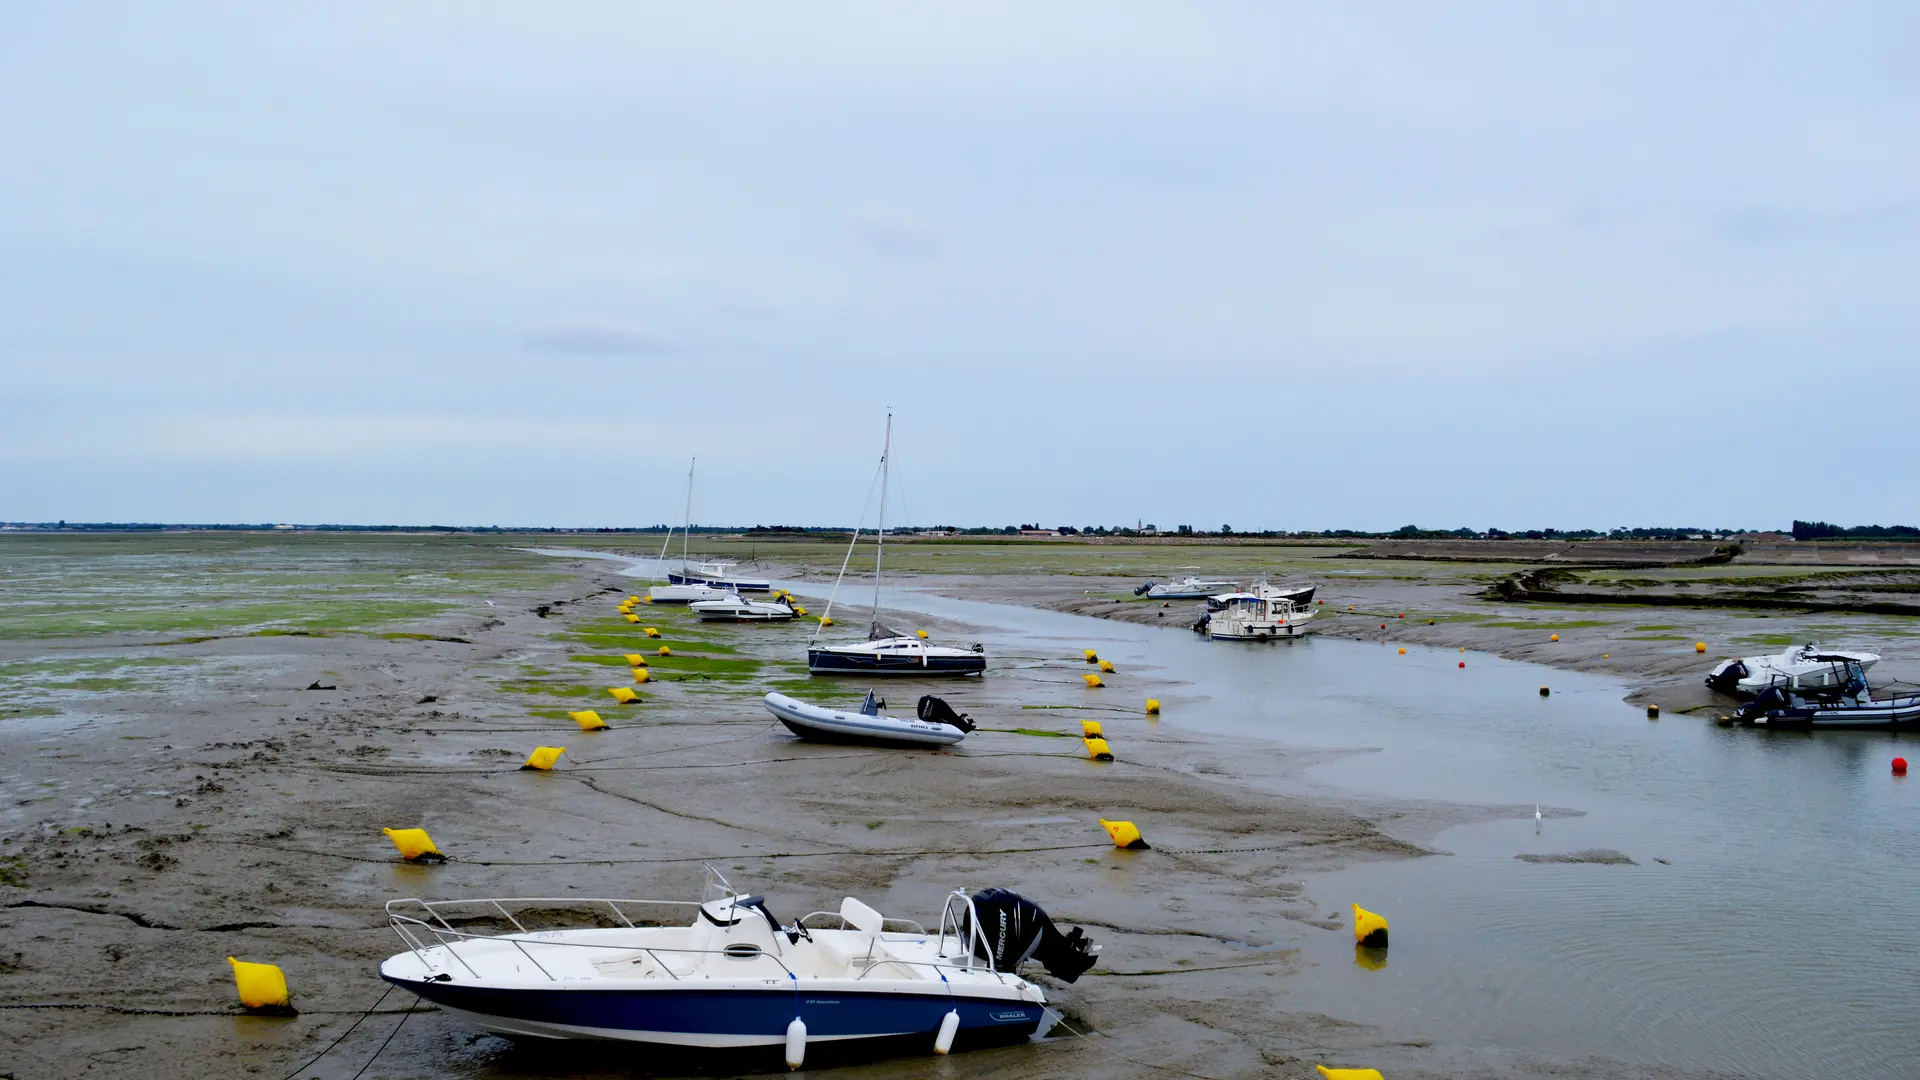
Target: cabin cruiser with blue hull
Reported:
[(735, 977)]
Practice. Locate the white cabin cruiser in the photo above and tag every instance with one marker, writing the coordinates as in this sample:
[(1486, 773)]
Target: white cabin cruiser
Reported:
[(1252, 617), (1188, 588), (730, 976), (736, 609), (1801, 667)]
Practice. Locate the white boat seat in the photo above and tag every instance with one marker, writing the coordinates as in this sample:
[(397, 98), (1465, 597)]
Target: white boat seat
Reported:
[(861, 917)]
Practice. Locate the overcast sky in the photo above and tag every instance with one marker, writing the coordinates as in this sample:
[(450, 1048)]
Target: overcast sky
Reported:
[(1262, 264)]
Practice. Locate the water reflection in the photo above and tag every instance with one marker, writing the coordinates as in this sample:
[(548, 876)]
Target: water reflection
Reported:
[(1370, 958)]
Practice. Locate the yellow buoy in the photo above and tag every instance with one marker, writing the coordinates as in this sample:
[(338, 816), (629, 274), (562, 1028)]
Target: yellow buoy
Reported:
[(634, 659), (1097, 749), (1653, 712), (665, 651), (632, 599), (798, 610), (1604, 656), (1092, 657), (631, 617), (1093, 681), (543, 757), (1350, 1074), (1553, 637), (1153, 706), (647, 599), (921, 634), (1125, 835), (653, 631), (1369, 928), (1544, 691), (1699, 646), (414, 844), (623, 695), (1403, 650), (1106, 666), (641, 675), (1090, 728), (587, 719), (826, 620), (261, 986)]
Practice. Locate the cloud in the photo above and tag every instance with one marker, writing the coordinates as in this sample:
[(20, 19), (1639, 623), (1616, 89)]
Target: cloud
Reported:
[(595, 340), (894, 236)]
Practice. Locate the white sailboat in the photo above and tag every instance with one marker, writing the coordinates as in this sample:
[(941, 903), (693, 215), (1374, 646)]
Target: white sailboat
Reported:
[(886, 651), (682, 588)]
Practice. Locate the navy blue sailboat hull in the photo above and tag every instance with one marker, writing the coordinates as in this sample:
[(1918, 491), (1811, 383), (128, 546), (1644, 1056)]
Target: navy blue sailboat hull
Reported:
[(833, 662)]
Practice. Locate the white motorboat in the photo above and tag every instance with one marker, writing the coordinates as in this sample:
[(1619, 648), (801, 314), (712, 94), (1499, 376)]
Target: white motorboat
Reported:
[(730, 977), (1252, 617), (687, 594), (936, 724), (736, 609), (1188, 588), (886, 651), (1801, 667)]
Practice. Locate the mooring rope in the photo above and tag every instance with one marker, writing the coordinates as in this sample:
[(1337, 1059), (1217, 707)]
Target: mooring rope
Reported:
[(350, 1028)]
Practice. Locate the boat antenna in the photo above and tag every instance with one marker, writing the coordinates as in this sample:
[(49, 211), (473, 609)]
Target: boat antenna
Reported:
[(880, 525)]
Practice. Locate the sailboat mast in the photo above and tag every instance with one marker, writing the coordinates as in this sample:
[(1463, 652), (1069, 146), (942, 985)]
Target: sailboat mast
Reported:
[(688, 527), (880, 542)]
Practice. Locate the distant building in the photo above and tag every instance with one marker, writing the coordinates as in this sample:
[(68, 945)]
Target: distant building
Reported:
[(1039, 532)]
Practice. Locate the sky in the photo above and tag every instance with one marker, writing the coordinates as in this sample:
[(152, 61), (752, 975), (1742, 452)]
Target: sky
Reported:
[(1268, 265)]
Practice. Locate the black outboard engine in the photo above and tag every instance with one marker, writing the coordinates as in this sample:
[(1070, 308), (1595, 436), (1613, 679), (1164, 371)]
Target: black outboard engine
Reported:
[(1766, 701), (1142, 590), (1014, 929), (1726, 677), (935, 711)]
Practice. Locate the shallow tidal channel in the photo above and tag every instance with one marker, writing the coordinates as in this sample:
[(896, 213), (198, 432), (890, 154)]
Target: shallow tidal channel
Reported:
[(1759, 929)]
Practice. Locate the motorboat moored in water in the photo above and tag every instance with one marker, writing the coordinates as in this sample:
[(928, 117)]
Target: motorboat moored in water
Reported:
[(1297, 595), (736, 609), (1805, 667), (731, 976), (1842, 701), (719, 575), (1252, 617), (1188, 588), (935, 722)]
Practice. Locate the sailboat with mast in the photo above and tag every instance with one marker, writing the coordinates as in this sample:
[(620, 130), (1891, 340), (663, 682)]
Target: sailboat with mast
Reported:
[(681, 589), (886, 651)]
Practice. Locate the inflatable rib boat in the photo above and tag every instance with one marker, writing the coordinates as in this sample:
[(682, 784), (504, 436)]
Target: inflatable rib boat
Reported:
[(936, 725)]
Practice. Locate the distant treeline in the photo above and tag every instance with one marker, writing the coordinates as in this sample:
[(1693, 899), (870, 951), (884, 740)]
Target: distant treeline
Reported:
[(1802, 530), (1820, 530)]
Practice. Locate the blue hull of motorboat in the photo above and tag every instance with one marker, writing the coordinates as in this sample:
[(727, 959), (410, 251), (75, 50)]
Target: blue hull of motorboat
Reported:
[(696, 1018), (829, 662)]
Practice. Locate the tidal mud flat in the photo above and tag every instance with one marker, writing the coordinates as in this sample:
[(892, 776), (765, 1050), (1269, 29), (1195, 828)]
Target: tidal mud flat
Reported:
[(175, 795)]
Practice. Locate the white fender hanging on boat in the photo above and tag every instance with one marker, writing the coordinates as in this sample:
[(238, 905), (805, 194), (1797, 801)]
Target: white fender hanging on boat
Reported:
[(949, 1026), (796, 1043)]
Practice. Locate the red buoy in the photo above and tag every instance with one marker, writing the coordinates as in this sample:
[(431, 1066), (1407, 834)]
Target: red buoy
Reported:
[(1383, 626), (1463, 663), (1899, 766)]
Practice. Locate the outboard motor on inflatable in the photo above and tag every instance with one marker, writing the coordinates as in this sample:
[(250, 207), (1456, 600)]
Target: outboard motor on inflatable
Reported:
[(1142, 590), (1766, 701), (935, 711), (1014, 929)]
